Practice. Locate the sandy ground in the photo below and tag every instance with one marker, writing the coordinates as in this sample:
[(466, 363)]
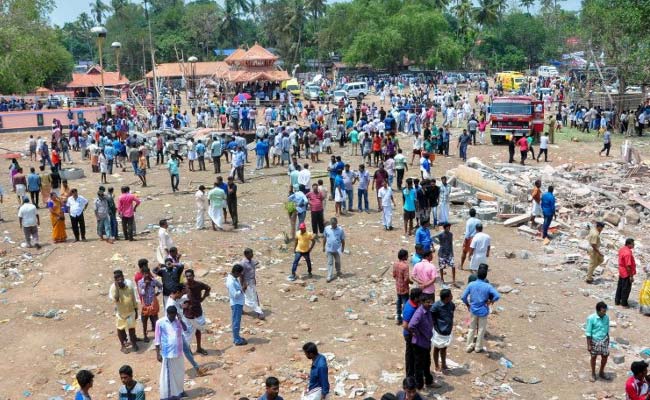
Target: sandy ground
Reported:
[(538, 326)]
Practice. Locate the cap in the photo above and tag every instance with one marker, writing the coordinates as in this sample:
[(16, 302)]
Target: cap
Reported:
[(302, 226)]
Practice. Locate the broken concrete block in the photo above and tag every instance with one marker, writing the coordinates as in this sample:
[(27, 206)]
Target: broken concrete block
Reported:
[(618, 359), (572, 258), (632, 217), (612, 217), (485, 196), (527, 230), (517, 220), (504, 289)]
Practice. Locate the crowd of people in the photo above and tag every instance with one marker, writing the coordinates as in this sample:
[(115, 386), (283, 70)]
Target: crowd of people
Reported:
[(426, 323)]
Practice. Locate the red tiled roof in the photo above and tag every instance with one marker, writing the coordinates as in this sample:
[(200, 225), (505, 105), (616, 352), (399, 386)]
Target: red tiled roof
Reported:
[(235, 56), (173, 70), (252, 76), (93, 78), (258, 52)]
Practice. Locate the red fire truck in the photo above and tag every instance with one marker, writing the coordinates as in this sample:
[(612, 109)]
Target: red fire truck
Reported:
[(515, 115)]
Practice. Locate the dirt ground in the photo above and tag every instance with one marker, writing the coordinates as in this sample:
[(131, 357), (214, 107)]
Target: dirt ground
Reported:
[(537, 326)]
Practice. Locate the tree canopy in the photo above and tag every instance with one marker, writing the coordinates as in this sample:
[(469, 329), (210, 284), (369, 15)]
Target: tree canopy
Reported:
[(431, 34)]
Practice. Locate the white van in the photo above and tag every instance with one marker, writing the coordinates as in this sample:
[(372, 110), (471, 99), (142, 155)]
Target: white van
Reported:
[(547, 71), (356, 89)]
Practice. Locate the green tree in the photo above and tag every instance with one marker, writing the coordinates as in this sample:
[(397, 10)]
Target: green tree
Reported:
[(25, 36), (99, 10), (487, 12), (527, 4)]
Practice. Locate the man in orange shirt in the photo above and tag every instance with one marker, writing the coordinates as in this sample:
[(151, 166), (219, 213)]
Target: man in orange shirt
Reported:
[(536, 210), (402, 281), (626, 272)]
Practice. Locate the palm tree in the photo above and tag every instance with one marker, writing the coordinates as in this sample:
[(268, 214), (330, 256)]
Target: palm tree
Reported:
[(463, 11), (527, 4), (241, 6), (99, 9), (487, 12), (315, 7), (230, 26)]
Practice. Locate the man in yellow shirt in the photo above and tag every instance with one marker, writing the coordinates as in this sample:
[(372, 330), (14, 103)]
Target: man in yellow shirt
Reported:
[(122, 292), (305, 241)]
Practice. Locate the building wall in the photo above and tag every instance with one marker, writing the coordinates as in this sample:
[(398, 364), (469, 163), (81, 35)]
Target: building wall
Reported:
[(29, 120)]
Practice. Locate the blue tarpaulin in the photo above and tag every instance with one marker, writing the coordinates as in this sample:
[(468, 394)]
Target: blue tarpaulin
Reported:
[(223, 52)]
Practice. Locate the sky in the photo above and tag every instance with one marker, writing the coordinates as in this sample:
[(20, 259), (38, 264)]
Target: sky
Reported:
[(68, 10)]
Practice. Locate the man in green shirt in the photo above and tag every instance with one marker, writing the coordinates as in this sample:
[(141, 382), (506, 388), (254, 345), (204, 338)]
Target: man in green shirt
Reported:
[(597, 333), (217, 198)]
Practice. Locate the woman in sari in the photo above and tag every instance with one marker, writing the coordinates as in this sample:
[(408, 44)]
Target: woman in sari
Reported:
[(57, 217), (644, 294)]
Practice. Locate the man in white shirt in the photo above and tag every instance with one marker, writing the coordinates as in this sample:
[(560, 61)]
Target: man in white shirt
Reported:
[(201, 199), (76, 206), (29, 222), (385, 195), (479, 249), (304, 177), (543, 147), (165, 242)]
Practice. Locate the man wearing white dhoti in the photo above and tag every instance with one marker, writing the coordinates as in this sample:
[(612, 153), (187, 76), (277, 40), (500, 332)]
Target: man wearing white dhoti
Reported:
[(217, 199), (443, 202), (169, 352), (249, 281)]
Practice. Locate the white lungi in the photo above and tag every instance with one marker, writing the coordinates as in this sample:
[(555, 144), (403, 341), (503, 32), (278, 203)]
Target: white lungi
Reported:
[(443, 212), (387, 215), (216, 215), (252, 299), (200, 217), (476, 260), (536, 209), (172, 374)]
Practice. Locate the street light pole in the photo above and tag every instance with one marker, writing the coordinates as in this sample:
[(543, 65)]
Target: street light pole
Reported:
[(193, 61), (117, 46), (100, 31)]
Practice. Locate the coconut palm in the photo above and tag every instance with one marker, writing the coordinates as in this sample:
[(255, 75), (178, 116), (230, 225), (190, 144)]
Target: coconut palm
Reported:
[(527, 4), (463, 11), (487, 12), (315, 7), (99, 9)]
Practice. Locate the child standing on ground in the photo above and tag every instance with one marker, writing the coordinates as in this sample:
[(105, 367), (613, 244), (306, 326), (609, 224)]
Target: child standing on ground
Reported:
[(442, 312), (402, 281)]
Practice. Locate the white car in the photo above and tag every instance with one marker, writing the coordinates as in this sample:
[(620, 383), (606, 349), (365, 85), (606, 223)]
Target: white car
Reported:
[(337, 95)]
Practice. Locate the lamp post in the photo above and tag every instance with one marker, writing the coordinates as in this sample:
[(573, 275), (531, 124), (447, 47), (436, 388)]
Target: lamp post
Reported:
[(100, 32), (193, 61), (116, 47)]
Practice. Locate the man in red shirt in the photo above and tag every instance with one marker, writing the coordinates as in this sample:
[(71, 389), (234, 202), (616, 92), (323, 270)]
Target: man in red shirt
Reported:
[(626, 272), (316, 199), (127, 203), (636, 387), (523, 148)]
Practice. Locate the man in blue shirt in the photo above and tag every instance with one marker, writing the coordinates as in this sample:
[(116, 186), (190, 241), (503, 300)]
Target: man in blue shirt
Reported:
[(238, 161), (318, 376), (216, 150), (261, 149), (423, 235), (34, 186), (272, 389), (407, 314), (548, 210), (409, 206), (481, 295), (200, 152), (470, 231), (333, 246)]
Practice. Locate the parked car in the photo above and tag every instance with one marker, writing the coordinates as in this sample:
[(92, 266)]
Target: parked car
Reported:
[(337, 95), (357, 90)]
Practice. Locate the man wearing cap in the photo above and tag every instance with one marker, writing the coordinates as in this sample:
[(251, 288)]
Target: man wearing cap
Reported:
[(169, 352), (595, 256), (304, 243)]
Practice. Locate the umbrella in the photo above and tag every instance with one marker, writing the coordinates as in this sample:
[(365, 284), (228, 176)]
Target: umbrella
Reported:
[(242, 97)]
